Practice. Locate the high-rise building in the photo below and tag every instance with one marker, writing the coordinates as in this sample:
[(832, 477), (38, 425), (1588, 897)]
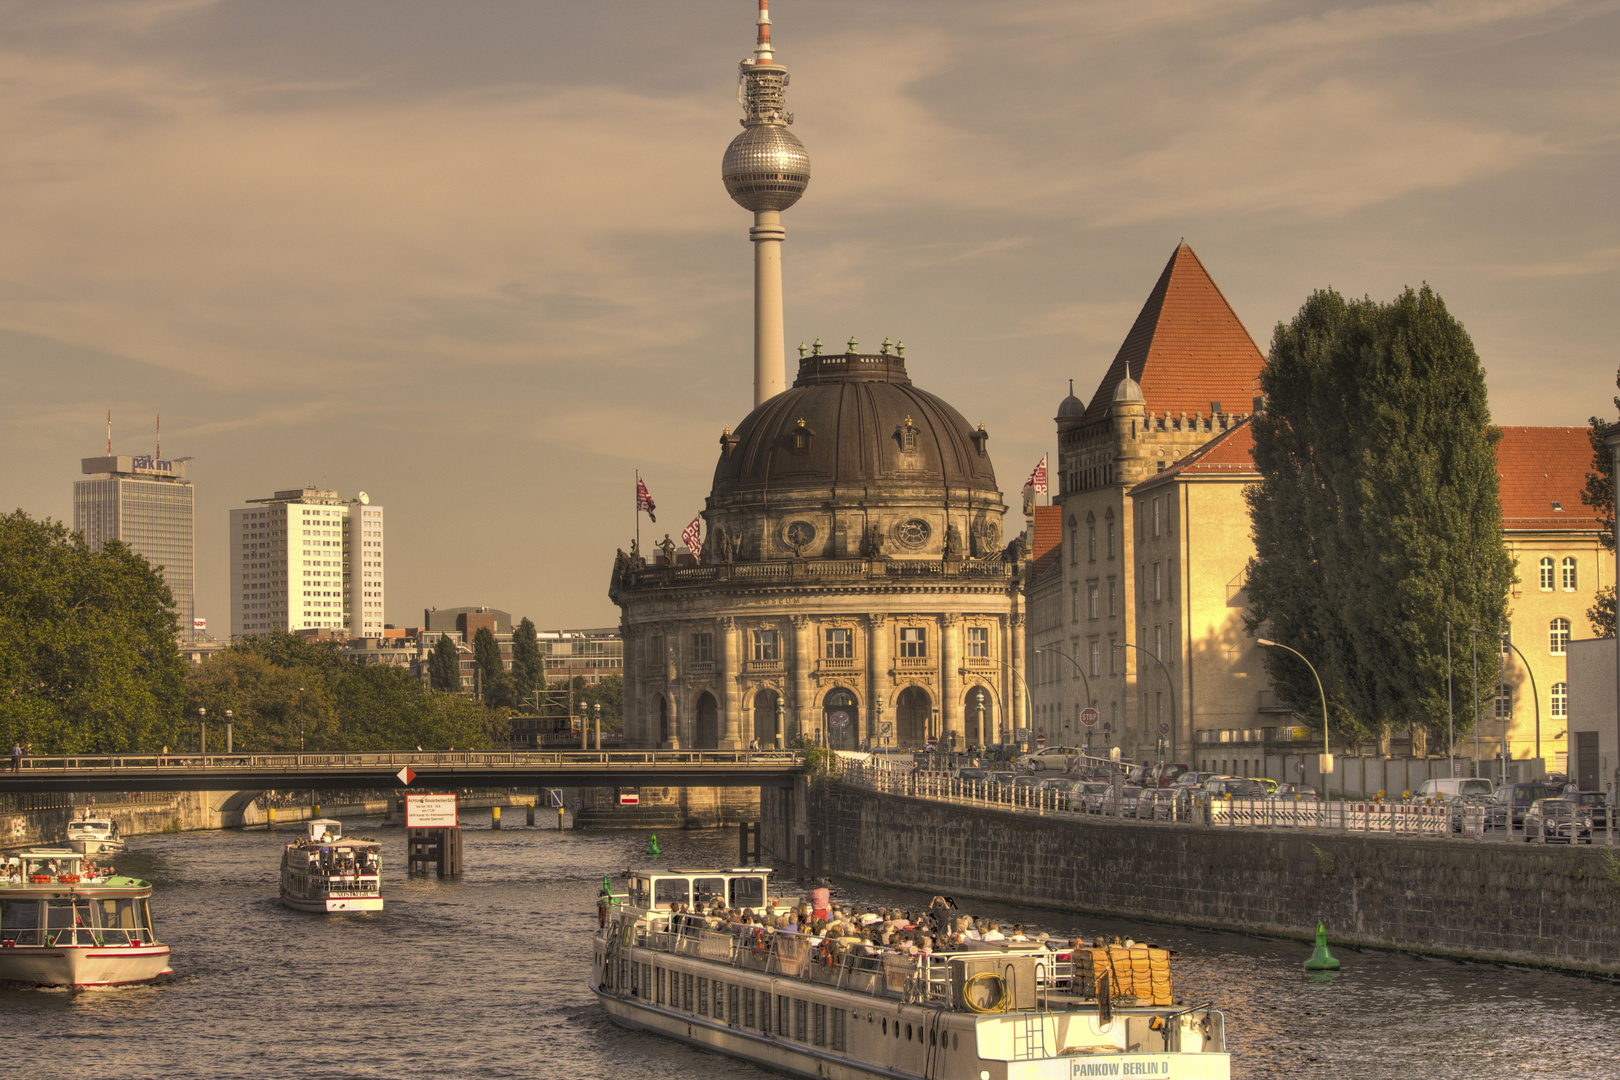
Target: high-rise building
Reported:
[(147, 503), (307, 559)]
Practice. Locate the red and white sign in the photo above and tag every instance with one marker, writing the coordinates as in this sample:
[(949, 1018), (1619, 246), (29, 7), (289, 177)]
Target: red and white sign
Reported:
[(629, 796), (1164, 729), (1040, 740), (406, 775), (644, 499), (1089, 717), (431, 812), (199, 624), (692, 536), (1037, 477)]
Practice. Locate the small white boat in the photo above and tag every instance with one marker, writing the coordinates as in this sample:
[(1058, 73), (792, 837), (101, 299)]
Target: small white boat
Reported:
[(327, 871), (65, 921), (94, 835)]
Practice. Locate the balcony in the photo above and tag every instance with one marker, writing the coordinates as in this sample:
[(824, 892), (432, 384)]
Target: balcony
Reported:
[(762, 667), (840, 663), (913, 663)]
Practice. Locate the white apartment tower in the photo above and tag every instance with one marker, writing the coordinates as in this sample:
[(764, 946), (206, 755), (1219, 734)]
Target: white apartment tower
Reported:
[(307, 559)]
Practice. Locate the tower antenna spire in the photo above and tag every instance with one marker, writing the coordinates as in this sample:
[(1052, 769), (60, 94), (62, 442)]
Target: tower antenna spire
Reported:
[(109, 433), (766, 170), (159, 452)]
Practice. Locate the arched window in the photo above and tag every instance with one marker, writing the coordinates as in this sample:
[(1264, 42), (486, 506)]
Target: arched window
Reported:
[(1558, 635), (1560, 701), (1569, 573), (1547, 574)]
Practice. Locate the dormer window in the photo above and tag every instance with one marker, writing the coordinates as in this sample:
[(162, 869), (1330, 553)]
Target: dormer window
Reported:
[(801, 437), (728, 443), (907, 434)]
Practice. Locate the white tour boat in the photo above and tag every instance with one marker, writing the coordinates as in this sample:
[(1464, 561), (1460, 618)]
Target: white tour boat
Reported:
[(94, 835), (327, 871), (845, 1007), (65, 921)]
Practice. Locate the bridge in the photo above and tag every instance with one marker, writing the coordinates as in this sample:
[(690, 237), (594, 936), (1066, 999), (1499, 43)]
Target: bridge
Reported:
[(433, 770)]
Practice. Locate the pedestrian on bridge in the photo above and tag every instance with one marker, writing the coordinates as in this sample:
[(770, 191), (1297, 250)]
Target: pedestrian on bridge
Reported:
[(16, 757)]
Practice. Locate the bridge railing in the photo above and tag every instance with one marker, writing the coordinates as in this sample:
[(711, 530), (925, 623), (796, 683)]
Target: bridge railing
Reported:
[(501, 760)]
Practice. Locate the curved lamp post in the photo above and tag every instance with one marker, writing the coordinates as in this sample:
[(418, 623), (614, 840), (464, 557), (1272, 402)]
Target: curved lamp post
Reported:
[(1028, 700), (1534, 696), (1091, 699), (1327, 753), (1168, 681)]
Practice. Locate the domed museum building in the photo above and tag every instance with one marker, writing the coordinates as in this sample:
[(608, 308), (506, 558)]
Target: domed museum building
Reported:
[(853, 588)]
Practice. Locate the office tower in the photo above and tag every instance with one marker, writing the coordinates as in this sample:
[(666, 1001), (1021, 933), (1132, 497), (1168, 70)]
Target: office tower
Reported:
[(306, 559), (147, 503)]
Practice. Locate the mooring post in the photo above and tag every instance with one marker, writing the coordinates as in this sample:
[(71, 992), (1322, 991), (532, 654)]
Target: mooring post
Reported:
[(495, 818), (529, 817), (270, 825)]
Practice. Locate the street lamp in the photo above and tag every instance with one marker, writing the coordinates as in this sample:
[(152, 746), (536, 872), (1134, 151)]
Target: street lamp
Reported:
[(781, 717), (1091, 700), (202, 730), (227, 731), (877, 707), (978, 699), (1029, 700), (597, 710), (1168, 681), (1326, 764), (300, 719), (1534, 694)]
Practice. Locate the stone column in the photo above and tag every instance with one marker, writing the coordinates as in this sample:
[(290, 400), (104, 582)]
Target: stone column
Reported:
[(1016, 687), (635, 703), (950, 684), (803, 657), (877, 668), (731, 681), (672, 692)]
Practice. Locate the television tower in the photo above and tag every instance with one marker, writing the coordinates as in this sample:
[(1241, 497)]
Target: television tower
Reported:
[(766, 170)]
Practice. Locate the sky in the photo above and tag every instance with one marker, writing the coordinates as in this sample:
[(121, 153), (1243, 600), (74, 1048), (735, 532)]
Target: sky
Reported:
[(474, 257)]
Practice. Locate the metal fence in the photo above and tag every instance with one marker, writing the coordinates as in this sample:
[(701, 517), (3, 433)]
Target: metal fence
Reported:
[(1169, 807)]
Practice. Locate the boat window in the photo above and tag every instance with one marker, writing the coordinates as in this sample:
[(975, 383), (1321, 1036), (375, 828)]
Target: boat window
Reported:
[(61, 916), (748, 892), (116, 920), (638, 892), (19, 921), (667, 891), (908, 1033), (885, 1025), (710, 890)]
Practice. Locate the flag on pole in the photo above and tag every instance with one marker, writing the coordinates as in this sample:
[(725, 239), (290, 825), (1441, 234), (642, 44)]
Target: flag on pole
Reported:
[(644, 499), (692, 535), (1037, 478)]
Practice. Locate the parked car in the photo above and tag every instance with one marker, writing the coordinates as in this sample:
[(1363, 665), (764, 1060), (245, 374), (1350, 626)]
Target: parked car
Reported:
[(1059, 786), (1293, 793), (1237, 787), (1129, 796), (1596, 804), (1458, 807), (1267, 786), (1508, 804), (1193, 779), (1156, 804), (1051, 759), (972, 773), (1090, 795), (1564, 820), (1442, 790)]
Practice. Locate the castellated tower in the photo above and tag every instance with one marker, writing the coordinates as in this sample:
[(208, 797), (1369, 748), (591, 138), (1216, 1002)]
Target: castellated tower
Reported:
[(1186, 372)]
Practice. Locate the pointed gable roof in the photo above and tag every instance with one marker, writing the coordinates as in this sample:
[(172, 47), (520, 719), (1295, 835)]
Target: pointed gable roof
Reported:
[(1229, 454), (1186, 349), (1542, 473)]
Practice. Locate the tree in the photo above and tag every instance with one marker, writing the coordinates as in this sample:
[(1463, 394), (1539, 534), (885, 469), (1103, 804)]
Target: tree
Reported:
[(608, 693), (444, 666), (88, 661), (1377, 519), (487, 656), (528, 666), (1599, 495)]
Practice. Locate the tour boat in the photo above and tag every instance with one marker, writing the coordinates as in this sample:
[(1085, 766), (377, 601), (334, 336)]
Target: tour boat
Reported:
[(94, 835), (64, 921), (845, 1008), (327, 871)]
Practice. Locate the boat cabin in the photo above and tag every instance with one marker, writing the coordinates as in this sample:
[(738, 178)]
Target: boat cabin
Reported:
[(327, 829), (660, 890), (93, 826), (42, 866)]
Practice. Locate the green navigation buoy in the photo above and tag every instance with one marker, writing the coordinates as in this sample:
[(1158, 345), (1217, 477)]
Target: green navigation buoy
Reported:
[(653, 852), (1321, 959)]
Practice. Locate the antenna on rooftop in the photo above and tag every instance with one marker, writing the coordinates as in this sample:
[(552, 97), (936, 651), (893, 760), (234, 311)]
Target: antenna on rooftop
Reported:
[(109, 433), (159, 452)]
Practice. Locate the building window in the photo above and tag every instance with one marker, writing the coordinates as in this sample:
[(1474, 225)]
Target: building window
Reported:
[(1558, 633), (1156, 525), (1560, 701), (1113, 655), (1113, 598), (767, 646), (1569, 573), (1158, 642), (1158, 581), (1091, 600), (1074, 605), (913, 642), (978, 642), (838, 644), (1547, 574), (1096, 650), (1504, 701), (703, 648), (1091, 541), (1110, 539)]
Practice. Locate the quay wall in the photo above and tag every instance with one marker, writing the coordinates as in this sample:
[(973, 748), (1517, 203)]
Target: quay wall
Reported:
[(1518, 903)]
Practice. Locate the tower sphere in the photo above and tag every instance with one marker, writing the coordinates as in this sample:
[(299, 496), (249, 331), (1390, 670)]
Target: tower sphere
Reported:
[(765, 167)]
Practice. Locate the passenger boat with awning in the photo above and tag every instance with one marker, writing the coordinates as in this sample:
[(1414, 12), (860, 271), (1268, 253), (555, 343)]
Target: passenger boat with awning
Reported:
[(847, 1006), (67, 921), (327, 871)]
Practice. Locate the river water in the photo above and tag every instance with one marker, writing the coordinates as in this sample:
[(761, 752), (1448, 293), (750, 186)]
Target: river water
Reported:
[(485, 977)]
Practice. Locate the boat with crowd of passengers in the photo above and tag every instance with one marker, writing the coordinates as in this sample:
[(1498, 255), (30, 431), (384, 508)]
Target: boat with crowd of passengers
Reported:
[(327, 871), (66, 921), (982, 1008)]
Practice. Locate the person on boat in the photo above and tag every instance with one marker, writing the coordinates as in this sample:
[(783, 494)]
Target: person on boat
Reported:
[(1018, 933), (994, 933)]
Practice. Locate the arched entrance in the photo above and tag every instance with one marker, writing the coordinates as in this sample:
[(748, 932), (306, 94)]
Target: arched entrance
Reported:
[(912, 712), (663, 720), (842, 717), (765, 718), (979, 716), (707, 733)]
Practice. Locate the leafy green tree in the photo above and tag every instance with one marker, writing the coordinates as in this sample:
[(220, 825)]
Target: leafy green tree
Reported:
[(528, 666), (1599, 495), (88, 661), (444, 666), (1377, 519), (487, 656), (608, 693)]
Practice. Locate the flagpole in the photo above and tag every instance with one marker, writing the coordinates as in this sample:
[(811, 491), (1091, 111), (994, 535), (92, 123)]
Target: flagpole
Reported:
[(638, 513)]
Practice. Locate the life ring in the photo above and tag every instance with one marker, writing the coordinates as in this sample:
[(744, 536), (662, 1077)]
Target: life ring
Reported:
[(824, 953), (760, 947)]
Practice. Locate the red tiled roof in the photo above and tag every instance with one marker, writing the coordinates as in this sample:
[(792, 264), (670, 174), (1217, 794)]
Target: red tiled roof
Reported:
[(1047, 535), (1231, 453), (1538, 468), (1187, 348)]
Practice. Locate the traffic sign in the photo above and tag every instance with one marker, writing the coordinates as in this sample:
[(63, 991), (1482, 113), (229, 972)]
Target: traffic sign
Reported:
[(431, 812), (1164, 729), (1090, 716), (1040, 740), (555, 797), (406, 775), (629, 796)]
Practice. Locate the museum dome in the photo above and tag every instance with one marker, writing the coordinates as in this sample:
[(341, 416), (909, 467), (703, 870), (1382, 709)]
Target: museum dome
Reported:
[(854, 423)]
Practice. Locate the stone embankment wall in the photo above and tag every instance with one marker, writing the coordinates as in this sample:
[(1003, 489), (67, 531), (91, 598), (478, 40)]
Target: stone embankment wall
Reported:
[(1520, 903)]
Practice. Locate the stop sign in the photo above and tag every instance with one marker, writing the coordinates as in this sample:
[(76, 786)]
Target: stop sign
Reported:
[(1089, 717)]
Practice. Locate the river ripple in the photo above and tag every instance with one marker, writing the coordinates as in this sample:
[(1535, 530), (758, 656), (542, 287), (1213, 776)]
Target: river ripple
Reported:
[(485, 977)]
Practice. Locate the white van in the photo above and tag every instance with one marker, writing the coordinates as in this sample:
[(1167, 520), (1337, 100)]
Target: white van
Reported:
[(1438, 791)]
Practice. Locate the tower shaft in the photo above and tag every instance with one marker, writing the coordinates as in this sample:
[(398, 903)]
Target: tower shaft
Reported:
[(770, 344)]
